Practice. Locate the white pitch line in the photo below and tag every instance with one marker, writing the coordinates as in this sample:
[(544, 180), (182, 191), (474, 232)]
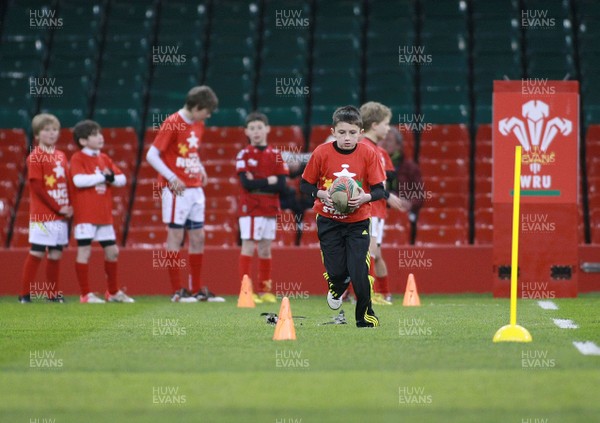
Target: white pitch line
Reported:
[(548, 305), (587, 348), (565, 323)]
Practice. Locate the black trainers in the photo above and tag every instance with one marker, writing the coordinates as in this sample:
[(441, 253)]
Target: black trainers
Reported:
[(183, 296), (205, 295), (370, 320), (57, 299), (24, 299)]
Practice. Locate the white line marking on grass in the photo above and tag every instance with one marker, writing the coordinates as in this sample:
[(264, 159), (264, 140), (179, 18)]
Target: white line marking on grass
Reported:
[(548, 305), (565, 323), (587, 348)]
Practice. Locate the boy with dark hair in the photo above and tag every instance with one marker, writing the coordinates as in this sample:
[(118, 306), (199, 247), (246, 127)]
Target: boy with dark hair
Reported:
[(175, 156), (262, 173), (376, 120), (49, 208), (344, 237), (93, 176)]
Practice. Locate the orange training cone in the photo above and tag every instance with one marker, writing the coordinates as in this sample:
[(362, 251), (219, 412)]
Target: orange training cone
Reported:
[(411, 296), (245, 298), (285, 331)]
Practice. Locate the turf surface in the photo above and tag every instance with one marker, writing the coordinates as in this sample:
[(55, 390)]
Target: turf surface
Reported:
[(155, 361)]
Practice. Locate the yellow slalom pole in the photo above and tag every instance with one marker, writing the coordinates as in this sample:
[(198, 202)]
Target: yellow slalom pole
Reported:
[(513, 332), (514, 262)]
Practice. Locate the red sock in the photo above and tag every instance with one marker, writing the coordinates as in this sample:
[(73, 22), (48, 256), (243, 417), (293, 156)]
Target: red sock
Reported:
[(110, 267), (196, 270), (29, 271), (52, 270), (173, 269), (382, 283), (264, 274), (245, 266), (81, 269)]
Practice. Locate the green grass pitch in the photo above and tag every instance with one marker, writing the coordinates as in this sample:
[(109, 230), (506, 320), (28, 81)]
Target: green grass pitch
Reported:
[(155, 361)]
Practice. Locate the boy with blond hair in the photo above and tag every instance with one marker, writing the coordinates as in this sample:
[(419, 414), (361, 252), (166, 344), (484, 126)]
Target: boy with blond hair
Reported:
[(376, 120), (49, 208)]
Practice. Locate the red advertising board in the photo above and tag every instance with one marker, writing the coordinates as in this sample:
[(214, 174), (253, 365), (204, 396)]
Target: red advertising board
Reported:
[(543, 117)]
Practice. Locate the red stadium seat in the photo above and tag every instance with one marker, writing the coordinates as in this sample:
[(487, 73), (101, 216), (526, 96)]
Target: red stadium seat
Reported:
[(13, 139), (145, 218), (286, 237), (447, 168), (457, 134), (446, 235), (220, 235), (595, 230), (148, 188), (483, 151), (437, 185), (309, 237), (593, 133), (209, 152), (148, 237), (409, 142), (483, 200), (395, 236), (226, 203), (20, 237), (483, 185), (484, 216), (318, 135), (454, 200), (66, 143), (287, 138), (147, 203), (429, 216), (484, 234), (443, 150), (225, 135), (398, 218), (221, 186), (149, 135), (146, 173), (220, 168), (483, 168), (222, 218), (484, 134), (11, 172), (12, 155)]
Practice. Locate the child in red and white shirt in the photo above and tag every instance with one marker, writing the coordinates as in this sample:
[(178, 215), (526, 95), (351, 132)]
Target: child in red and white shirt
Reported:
[(93, 176), (49, 208), (262, 174)]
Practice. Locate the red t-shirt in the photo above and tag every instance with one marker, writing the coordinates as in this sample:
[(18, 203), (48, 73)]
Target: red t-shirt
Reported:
[(362, 165), (179, 146), (379, 207), (261, 163), (92, 204), (52, 169)]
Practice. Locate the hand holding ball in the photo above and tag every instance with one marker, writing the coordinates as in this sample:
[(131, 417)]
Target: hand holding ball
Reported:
[(341, 191)]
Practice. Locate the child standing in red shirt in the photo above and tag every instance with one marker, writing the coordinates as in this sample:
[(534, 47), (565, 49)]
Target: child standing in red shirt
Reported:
[(93, 175), (262, 173), (49, 208)]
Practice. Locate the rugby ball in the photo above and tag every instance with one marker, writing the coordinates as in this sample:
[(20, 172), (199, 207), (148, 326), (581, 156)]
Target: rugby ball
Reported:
[(341, 191)]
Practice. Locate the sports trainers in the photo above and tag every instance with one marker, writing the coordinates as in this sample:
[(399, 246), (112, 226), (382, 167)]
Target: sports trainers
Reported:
[(24, 299), (257, 299), (90, 298), (388, 298), (118, 297), (57, 299), (370, 320), (379, 299), (183, 296), (333, 302), (268, 297), (205, 295)]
